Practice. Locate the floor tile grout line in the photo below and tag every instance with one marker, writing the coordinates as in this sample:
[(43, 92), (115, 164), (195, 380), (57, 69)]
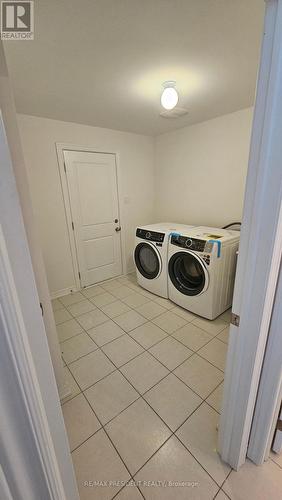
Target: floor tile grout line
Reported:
[(57, 309), (226, 343), (197, 460), (126, 485), (69, 398), (134, 282), (209, 404), (170, 371), (172, 432), (87, 439), (279, 466), (212, 364), (120, 412), (166, 375), (215, 496), (97, 347), (73, 336), (114, 446), (83, 329), (163, 444), (197, 352), (177, 340), (187, 322), (171, 334), (103, 307), (77, 302), (139, 305), (110, 341), (113, 340), (225, 482), (108, 374), (142, 394), (103, 428), (155, 317), (80, 357), (84, 298), (138, 392), (86, 331), (147, 350)]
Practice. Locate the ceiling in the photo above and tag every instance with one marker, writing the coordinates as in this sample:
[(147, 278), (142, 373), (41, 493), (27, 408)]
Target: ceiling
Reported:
[(103, 62)]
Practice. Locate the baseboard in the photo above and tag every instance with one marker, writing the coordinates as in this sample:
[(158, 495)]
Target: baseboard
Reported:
[(131, 270), (65, 396), (64, 291)]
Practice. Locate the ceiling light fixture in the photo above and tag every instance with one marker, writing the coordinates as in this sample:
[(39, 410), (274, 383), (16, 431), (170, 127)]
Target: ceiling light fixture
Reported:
[(169, 97)]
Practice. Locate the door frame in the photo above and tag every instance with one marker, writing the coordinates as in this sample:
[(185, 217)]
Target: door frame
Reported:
[(270, 389), (23, 369), (26, 363), (260, 247), (60, 148)]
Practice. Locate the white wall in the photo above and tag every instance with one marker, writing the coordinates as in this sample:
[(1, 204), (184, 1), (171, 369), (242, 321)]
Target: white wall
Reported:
[(195, 174), (201, 171), (136, 155), (9, 116)]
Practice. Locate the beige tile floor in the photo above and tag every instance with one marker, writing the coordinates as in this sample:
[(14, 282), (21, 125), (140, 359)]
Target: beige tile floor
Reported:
[(147, 379)]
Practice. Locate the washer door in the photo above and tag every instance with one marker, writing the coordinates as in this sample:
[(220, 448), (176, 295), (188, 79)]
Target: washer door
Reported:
[(148, 260), (188, 273)]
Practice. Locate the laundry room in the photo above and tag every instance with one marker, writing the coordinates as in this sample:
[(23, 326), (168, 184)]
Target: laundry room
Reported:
[(136, 121)]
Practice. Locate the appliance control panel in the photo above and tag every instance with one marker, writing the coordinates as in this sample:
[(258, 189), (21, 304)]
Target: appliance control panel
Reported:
[(207, 259), (150, 235), (191, 243)]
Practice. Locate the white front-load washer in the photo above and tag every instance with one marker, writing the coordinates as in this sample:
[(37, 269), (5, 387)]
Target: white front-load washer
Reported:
[(201, 269), (150, 255)]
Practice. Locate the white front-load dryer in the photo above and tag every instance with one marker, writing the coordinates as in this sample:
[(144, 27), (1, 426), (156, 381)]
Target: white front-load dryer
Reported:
[(150, 255), (201, 270)]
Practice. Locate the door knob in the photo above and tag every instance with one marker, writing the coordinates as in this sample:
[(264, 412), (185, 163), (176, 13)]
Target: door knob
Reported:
[(118, 229)]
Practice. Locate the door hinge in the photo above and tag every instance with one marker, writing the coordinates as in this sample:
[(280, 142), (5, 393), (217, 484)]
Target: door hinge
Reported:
[(235, 319), (79, 275), (41, 307), (72, 225), (65, 168)]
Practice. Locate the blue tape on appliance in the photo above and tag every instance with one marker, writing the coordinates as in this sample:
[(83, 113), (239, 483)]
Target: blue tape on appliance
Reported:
[(218, 243)]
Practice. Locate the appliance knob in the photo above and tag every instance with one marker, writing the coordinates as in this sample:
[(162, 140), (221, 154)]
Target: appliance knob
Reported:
[(188, 243), (148, 235)]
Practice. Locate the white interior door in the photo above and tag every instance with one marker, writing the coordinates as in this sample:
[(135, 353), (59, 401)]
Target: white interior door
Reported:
[(258, 264), (92, 185)]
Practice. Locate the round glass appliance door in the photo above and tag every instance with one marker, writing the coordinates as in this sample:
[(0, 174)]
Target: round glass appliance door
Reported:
[(187, 273), (147, 260)]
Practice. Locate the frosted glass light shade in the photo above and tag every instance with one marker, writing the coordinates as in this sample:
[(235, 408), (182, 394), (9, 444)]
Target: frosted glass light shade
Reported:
[(169, 98)]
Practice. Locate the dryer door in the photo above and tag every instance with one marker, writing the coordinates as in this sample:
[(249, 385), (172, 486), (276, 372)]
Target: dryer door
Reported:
[(148, 260), (188, 273)]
